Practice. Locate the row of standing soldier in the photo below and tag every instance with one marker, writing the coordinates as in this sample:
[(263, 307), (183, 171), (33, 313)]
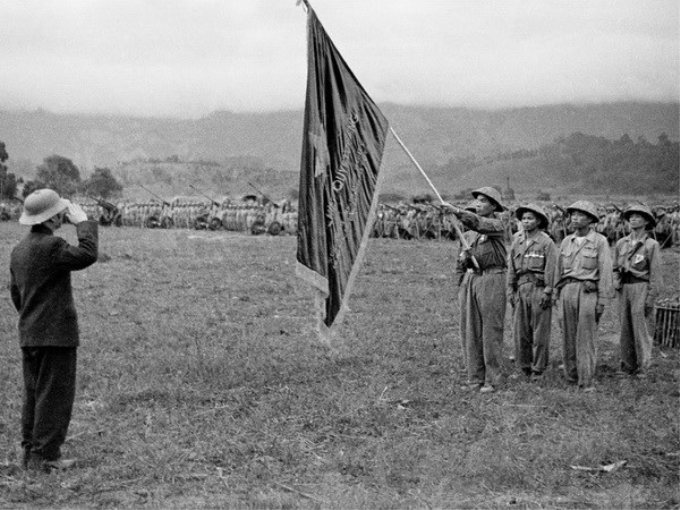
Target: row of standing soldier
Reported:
[(580, 277), (427, 221)]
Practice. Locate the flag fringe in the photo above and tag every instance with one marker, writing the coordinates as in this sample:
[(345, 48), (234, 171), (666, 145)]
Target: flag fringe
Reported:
[(318, 282)]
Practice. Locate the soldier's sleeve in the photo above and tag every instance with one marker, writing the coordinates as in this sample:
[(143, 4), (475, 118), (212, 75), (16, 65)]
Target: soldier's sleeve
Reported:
[(511, 279), (468, 219), (14, 291), (654, 273), (550, 267), (616, 268), (558, 269), (488, 226), (74, 258), (605, 286)]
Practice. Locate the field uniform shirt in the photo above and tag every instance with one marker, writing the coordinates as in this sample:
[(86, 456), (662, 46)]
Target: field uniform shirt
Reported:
[(640, 259), (587, 259), (532, 255)]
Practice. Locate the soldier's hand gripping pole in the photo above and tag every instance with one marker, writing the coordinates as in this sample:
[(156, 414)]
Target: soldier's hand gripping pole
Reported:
[(463, 241)]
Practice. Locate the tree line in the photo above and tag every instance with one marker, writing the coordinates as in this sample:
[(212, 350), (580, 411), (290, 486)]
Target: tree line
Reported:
[(620, 165), (60, 174), (596, 163)]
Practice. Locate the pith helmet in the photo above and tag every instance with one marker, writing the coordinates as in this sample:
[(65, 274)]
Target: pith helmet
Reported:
[(41, 205), (585, 207), (492, 194), (644, 211), (537, 210)]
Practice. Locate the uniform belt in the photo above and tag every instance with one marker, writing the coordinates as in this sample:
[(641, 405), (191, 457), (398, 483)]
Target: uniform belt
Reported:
[(590, 285), (531, 278), (629, 278)]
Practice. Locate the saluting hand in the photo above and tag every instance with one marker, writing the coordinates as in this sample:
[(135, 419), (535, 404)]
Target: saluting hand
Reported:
[(75, 214)]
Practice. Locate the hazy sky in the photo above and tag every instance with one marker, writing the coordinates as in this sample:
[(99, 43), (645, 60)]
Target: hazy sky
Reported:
[(186, 58)]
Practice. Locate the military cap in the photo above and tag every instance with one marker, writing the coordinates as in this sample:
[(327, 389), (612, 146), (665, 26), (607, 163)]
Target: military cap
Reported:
[(643, 210), (585, 207), (537, 210), (492, 194)]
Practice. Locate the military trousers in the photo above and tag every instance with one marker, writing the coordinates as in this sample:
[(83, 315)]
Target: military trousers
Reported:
[(532, 326), (579, 329), (49, 392), (483, 302), (635, 340)]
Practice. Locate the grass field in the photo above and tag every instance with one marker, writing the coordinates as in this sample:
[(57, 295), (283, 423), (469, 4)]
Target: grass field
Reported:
[(201, 384)]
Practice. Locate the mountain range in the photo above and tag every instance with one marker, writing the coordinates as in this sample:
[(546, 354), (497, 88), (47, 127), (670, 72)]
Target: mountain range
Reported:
[(435, 137)]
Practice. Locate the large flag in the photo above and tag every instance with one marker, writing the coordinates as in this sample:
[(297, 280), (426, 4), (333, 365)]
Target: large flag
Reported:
[(342, 149)]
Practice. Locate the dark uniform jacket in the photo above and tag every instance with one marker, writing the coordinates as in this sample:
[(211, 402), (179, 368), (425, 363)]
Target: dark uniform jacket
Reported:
[(486, 237), (40, 286)]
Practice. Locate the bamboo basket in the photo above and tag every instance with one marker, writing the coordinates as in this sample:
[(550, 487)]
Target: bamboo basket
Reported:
[(667, 324)]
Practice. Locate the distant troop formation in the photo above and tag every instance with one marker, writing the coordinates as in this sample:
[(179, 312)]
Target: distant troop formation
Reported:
[(417, 221), (246, 216), (427, 221)]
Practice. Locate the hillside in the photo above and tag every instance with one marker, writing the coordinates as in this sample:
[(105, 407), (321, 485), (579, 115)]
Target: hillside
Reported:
[(435, 136)]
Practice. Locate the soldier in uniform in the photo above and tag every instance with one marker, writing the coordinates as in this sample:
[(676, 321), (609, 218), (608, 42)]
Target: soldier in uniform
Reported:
[(482, 296), (531, 273), (637, 273), (584, 270)]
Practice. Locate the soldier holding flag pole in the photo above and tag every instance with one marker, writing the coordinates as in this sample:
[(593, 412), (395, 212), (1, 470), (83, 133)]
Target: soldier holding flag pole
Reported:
[(344, 138), (482, 299)]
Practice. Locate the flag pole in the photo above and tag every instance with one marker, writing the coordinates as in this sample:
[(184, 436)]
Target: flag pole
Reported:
[(463, 241), (307, 6)]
